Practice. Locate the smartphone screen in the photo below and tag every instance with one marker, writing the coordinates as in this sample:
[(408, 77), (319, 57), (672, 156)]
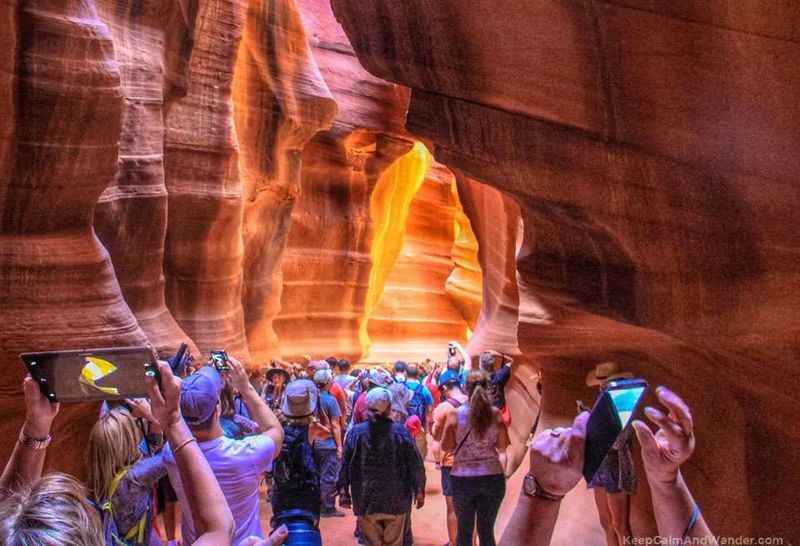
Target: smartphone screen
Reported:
[(220, 361), (611, 415), (91, 374)]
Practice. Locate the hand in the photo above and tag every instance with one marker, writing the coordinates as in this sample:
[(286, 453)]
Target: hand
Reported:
[(140, 407), (238, 376), (165, 401), (557, 456), (420, 499), (665, 451), (276, 538), (39, 411), (339, 453)]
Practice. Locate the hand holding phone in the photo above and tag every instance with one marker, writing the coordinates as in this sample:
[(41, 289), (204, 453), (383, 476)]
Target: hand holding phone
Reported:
[(165, 396), (238, 375), (39, 411), (557, 457), (665, 451)]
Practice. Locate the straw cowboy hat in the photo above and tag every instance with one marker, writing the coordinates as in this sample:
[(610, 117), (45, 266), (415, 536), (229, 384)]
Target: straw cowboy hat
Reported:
[(605, 372)]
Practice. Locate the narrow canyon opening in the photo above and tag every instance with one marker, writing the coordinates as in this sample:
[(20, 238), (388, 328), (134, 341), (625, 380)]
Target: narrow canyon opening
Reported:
[(425, 284)]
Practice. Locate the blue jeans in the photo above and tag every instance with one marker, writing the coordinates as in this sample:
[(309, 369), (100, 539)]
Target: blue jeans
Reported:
[(328, 466)]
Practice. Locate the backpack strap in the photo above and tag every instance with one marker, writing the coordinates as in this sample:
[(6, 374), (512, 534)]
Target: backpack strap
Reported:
[(137, 532)]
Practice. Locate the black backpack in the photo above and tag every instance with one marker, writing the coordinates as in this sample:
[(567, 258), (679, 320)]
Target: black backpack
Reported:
[(294, 469)]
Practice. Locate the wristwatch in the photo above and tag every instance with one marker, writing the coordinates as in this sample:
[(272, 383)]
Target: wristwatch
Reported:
[(531, 487), (36, 444)]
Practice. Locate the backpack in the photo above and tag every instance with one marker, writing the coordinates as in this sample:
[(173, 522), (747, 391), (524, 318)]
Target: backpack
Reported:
[(416, 406), (294, 470), (111, 534)]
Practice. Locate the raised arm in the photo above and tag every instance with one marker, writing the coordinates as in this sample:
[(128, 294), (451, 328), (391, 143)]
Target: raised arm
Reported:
[(24, 467), (449, 432), (663, 453), (503, 441), (258, 408), (210, 512), (555, 467)]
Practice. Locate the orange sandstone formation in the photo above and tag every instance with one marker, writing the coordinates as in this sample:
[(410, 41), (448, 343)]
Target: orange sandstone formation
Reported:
[(326, 266), (651, 147), (152, 45), (61, 106), (413, 317), (280, 102)]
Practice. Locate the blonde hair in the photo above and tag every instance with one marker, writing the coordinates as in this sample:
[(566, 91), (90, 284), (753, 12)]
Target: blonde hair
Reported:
[(54, 512), (481, 412), (113, 445)]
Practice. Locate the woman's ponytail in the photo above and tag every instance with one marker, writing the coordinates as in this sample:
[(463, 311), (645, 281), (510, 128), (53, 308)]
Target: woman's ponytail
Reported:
[(481, 413)]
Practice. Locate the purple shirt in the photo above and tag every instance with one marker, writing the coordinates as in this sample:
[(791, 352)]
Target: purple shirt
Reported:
[(238, 466)]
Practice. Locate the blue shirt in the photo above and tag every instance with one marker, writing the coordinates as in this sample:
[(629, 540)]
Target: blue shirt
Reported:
[(328, 405)]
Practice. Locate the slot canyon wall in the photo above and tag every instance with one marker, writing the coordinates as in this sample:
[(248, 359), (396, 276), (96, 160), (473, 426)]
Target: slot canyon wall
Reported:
[(220, 172), (651, 150), (610, 179)]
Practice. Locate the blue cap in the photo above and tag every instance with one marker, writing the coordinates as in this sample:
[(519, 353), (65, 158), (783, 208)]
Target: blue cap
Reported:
[(449, 376), (200, 394)]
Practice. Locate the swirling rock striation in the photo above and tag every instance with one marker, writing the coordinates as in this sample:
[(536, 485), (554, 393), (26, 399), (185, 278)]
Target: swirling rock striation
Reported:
[(651, 149)]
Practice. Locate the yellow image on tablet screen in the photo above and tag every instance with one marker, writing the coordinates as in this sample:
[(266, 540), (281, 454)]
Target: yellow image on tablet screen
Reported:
[(96, 369)]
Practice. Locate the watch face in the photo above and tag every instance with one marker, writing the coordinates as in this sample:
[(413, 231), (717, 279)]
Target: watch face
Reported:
[(529, 485)]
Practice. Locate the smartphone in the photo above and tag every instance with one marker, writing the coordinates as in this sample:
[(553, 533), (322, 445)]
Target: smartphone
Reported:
[(611, 415), (220, 360), (92, 374)]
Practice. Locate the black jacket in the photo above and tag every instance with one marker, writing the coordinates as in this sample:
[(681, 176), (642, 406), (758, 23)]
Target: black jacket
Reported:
[(381, 469)]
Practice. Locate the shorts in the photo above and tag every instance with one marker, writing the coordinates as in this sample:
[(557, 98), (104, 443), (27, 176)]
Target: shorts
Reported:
[(447, 482)]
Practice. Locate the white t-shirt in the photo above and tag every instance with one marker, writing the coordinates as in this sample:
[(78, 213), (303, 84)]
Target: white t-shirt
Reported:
[(238, 466)]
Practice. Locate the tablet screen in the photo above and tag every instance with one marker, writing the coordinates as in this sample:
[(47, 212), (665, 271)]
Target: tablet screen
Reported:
[(93, 374)]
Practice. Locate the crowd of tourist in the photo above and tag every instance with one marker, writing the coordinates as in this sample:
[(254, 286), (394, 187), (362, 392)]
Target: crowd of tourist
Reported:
[(208, 442)]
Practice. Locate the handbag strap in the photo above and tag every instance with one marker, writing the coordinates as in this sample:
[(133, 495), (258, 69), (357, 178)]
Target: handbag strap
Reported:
[(461, 443)]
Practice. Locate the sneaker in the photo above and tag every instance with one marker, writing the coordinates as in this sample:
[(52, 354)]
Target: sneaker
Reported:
[(332, 514)]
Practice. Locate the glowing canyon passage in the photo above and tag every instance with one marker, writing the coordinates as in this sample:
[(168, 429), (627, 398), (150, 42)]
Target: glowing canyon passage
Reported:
[(566, 181)]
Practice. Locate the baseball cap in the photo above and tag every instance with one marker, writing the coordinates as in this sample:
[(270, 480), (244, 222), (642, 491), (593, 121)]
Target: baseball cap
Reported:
[(318, 365), (449, 375), (379, 399), (300, 398), (380, 377), (323, 377), (200, 394)]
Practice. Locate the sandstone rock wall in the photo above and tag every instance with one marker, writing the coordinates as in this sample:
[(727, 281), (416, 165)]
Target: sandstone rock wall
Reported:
[(415, 316), (280, 102), (650, 147), (119, 116), (60, 149), (131, 214), (326, 267)]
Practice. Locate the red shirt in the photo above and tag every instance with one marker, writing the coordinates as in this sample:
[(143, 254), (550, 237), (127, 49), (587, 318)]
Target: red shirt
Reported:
[(360, 409), (430, 382), (341, 398)]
